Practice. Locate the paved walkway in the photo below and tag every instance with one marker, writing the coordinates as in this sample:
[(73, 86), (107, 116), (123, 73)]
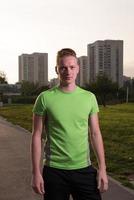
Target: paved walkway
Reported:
[(15, 169)]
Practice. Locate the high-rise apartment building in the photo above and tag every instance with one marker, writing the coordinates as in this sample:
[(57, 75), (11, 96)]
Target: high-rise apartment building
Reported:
[(34, 68), (106, 57), (83, 76)]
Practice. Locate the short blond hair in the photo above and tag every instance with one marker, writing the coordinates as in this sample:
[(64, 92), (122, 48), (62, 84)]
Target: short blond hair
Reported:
[(64, 52)]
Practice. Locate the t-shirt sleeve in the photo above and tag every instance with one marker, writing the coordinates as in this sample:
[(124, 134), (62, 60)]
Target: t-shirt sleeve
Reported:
[(95, 107), (39, 107)]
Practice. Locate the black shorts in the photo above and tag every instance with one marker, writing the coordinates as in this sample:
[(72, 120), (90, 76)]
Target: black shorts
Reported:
[(59, 184)]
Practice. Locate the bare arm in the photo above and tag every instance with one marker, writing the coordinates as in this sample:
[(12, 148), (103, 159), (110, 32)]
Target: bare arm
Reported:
[(97, 143), (37, 181)]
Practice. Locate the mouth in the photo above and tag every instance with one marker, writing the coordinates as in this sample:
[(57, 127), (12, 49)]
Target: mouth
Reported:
[(68, 77)]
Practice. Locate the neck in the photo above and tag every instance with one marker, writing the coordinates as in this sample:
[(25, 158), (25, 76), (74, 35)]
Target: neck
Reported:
[(67, 87)]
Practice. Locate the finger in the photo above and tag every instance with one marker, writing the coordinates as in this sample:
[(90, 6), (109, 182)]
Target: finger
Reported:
[(42, 187), (101, 187), (105, 188), (99, 183), (37, 189)]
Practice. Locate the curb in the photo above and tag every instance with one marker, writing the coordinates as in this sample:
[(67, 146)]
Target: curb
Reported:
[(131, 191), (14, 125)]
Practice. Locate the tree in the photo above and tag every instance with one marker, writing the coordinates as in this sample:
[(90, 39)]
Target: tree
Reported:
[(2, 81), (3, 78), (41, 89), (104, 88), (122, 94), (129, 86), (31, 89), (28, 88), (133, 87)]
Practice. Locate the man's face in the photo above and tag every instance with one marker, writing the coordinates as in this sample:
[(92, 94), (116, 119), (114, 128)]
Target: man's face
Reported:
[(68, 69)]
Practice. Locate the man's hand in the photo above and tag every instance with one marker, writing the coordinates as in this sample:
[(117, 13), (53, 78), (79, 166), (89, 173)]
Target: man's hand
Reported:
[(102, 180), (38, 184)]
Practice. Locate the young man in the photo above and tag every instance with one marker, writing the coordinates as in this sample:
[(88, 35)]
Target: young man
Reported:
[(66, 111)]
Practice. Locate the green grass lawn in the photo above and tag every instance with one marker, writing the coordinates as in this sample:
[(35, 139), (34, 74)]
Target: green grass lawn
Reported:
[(117, 126), (18, 114)]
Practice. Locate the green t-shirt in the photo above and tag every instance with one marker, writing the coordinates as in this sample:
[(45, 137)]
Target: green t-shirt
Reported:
[(66, 123)]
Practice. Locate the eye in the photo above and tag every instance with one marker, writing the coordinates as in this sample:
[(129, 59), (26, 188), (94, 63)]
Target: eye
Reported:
[(72, 67), (62, 68)]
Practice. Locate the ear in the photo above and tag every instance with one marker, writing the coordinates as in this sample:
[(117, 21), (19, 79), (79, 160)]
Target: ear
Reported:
[(56, 70)]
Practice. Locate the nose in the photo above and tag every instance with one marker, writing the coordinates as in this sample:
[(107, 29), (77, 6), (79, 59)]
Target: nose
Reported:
[(68, 70)]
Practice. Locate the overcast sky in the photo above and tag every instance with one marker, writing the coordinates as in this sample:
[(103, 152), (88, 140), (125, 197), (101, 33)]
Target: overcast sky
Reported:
[(28, 26)]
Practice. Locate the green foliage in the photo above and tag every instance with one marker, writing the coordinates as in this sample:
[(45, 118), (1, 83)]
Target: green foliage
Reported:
[(28, 88), (104, 88), (23, 99), (32, 89), (108, 92), (41, 89), (19, 99), (3, 78), (129, 84)]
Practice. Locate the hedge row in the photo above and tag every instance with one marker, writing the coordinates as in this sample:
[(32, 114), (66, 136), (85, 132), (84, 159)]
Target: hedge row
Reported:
[(19, 99)]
